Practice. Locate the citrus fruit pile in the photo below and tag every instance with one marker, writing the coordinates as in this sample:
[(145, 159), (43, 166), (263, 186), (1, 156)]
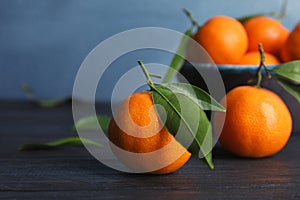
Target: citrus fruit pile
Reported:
[(257, 121), (230, 41)]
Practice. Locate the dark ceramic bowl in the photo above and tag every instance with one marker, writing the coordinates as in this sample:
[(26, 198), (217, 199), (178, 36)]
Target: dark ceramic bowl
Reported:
[(235, 75)]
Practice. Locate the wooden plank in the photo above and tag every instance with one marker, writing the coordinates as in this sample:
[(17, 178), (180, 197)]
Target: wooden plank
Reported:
[(72, 172)]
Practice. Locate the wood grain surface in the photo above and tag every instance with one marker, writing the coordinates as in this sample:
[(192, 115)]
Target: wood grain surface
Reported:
[(72, 173)]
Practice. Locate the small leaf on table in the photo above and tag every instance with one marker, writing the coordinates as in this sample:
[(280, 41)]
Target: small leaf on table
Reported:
[(43, 103), (58, 143), (52, 102), (92, 123)]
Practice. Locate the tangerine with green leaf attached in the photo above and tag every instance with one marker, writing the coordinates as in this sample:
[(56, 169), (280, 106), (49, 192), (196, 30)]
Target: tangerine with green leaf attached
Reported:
[(136, 128)]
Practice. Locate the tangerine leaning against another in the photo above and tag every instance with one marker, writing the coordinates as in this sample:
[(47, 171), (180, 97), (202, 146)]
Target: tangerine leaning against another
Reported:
[(254, 57), (291, 48), (268, 31), (136, 128), (257, 122)]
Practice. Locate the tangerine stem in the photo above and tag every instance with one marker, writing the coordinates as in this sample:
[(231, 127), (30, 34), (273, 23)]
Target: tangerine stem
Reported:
[(259, 77), (283, 10), (261, 65), (279, 16), (147, 74), (190, 16), (155, 75)]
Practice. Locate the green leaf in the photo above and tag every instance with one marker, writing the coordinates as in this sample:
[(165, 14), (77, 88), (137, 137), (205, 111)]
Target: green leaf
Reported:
[(189, 121), (274, 14), (289, 70), (28, 91), (196, 94), (178, 60), (58, 143), (246, 18), (43, 103), (52, 102), (294, 90), (92, 123)]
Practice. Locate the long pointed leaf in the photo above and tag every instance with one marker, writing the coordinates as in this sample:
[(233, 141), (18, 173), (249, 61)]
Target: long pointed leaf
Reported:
[(58, 143), (92, 123), (178, 60), (197, 95), (289, 70), (294, 90), (186, 118), (43, 103)]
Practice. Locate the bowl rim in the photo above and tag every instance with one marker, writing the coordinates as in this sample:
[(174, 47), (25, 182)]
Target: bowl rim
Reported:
[(228, 66)]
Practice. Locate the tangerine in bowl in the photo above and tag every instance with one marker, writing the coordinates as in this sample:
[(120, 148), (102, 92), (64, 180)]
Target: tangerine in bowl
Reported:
[(238, 75)]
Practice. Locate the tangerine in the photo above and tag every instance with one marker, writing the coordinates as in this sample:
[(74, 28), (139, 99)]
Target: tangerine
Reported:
[(136, 128), (257, 122), (253, 58), (224, 38), (291, 48), (268, 31)]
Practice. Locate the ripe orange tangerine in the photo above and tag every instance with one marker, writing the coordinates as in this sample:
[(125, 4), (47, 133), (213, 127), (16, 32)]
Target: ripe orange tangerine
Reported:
[(224, 38), (136, 128), (291, 48), (253, 58), (257, 123), (268, 31)]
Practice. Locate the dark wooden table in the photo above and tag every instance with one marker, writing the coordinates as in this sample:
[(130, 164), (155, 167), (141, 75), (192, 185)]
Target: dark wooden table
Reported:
[(72, 173)]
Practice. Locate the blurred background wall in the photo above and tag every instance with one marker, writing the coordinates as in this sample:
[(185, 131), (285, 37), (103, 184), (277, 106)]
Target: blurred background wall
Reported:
[(44, 42)]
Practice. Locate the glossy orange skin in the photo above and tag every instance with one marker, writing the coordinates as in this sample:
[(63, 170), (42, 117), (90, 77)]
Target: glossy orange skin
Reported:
[(270, 32), (137, 111), (224, 38), (257, 123), (291, 48)]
